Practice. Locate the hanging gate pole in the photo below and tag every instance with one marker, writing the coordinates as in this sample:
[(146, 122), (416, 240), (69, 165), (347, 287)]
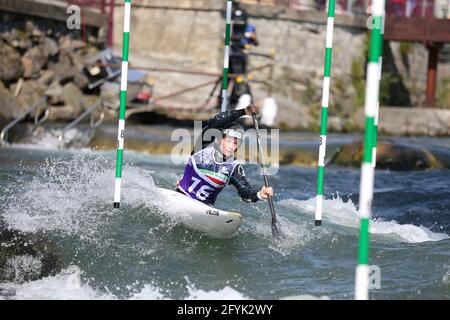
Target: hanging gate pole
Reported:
[(226, 57), (367, 169), (323, 123), (123, 102)]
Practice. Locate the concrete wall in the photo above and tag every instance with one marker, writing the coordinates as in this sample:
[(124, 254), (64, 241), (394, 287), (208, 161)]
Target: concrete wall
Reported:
[(189, 34)]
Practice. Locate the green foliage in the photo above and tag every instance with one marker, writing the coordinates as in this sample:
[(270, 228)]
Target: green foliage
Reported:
[(358, 74), (339, 92), (388, 81), (358, 81), (309, 94), (443, 93), (315, 112), (405, 48)]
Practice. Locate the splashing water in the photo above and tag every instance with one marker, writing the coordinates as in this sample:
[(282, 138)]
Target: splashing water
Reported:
[(345, 214), (137, 252), (73, 196)]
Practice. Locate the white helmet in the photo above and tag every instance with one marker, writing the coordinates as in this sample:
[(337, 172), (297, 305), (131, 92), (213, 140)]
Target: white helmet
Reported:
[(235, 131)]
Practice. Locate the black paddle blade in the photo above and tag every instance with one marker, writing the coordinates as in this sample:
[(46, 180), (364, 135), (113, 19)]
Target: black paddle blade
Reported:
[(276, 231)]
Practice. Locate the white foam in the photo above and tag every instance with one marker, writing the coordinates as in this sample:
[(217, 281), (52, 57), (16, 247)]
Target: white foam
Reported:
[(59, 287), (75, 196), (306, 297), (148, 292), (63, 287), (19, 267), (227, 293), (338, 212)]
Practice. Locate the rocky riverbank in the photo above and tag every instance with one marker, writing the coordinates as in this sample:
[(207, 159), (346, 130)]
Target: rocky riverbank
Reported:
[(293, 149), (39, 58), (390, 155), (37, 61)]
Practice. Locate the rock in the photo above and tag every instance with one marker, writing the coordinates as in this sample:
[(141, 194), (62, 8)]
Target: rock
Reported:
[(3, 120), (80, 80), (62, 113), (297, 157), (30, 92), (389, 156), (33, 31), (51, 47), (54, 92), (72, 98), (67, 43), (63, 68), (33, 61), (25, 256), (16, 39), (46, 78), (11, 68), (9, 106)]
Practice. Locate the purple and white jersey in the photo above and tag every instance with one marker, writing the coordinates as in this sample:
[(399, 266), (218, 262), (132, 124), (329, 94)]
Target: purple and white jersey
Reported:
[(204, 177)]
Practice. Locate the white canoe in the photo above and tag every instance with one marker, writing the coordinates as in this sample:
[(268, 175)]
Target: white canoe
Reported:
[(199, 216)]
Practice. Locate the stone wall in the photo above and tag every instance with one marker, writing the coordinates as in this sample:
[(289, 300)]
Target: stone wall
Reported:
[(189, 34)]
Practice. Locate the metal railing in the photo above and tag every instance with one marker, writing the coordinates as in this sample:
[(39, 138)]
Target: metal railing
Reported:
[(38, 119), (398, 8), (93, 123)]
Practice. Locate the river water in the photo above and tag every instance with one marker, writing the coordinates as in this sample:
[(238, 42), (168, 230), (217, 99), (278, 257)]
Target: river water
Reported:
[(137, 252)]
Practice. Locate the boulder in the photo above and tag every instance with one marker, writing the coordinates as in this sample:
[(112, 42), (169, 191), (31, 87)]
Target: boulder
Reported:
[(9, 106), (63, 68), (53, 92), (51, 47), (390, 156), (33, 61), (17, 39), (69, 44), (26, 256), (72, 98), (30, 91), (46, 78), (297, 157), (11, 68)]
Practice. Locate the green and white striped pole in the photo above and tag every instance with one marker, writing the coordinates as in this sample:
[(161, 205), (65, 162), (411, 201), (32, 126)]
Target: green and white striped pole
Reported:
[(323, 123), (123, 102), (380, 64), (226, 57), (367, 169)]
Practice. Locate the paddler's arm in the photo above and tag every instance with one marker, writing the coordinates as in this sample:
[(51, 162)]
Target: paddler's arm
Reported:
[(223, 121), (245, 191)]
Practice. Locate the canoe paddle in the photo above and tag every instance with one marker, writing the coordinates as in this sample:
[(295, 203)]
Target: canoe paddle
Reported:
[(275, 229)]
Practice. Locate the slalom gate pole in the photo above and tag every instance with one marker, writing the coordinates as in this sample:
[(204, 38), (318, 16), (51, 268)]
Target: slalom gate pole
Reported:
[(380, 64), (123, 102), (367, 169), (226, 57), (323, 123)]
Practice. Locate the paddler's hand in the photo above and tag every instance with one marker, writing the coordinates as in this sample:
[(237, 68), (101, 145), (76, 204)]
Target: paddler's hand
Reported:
[(251, 108), (265, 192)]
